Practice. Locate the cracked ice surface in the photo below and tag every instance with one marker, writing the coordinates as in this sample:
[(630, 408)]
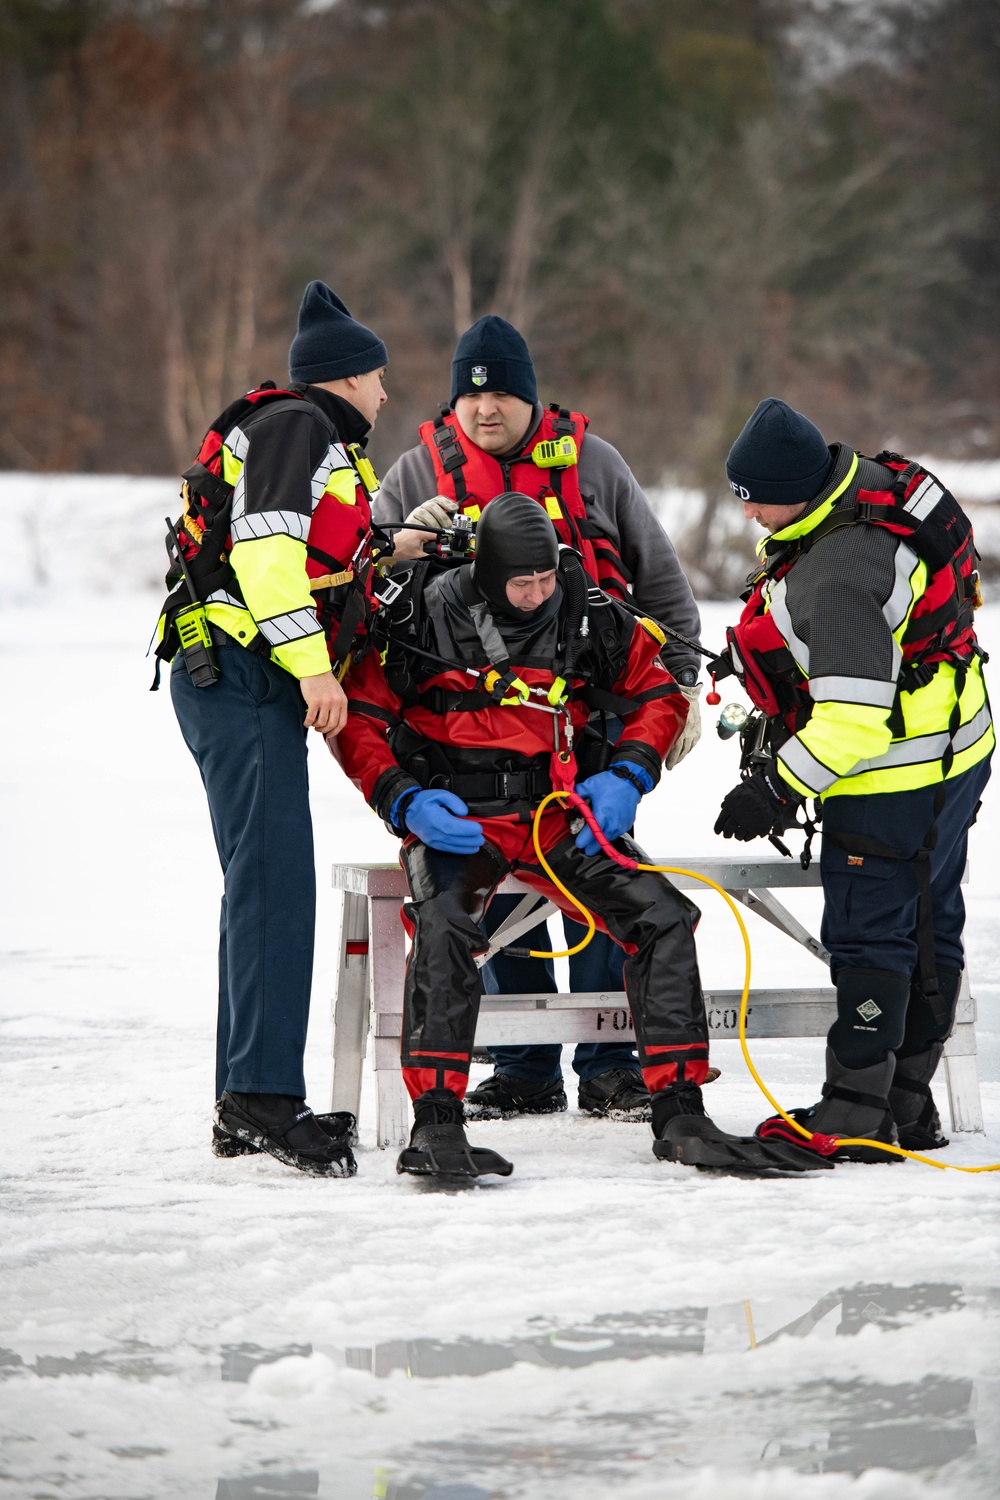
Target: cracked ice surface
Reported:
[(598, 1324)]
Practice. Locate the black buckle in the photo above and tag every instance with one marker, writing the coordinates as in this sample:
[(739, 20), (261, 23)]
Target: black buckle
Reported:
[(514, 786)]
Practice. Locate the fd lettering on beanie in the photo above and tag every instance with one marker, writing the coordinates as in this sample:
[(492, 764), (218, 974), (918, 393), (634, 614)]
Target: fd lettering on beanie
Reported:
[(780, 457), (330, 344)]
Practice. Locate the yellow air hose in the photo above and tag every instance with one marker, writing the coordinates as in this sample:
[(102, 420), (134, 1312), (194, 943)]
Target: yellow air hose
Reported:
[(571, 798)]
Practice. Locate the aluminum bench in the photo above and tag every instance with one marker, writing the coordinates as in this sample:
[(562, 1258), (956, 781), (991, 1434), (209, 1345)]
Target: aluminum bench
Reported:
[(372, 955)]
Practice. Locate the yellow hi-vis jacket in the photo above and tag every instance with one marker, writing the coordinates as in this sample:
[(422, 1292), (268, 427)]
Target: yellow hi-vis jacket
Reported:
[(842, 609)]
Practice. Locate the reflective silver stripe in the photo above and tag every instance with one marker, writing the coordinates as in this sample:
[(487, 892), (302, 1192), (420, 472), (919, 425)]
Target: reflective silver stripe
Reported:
[(237, 442), (783, 620), (320, 476), (270, 523), (220, 596), (805, 767), (239, 497), (900, 601), (924, 498), (870, 690), (928, 747), (291, 627), (334, 458)]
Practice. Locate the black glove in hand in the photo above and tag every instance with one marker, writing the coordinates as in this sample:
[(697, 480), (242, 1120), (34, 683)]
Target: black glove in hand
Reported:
[(762, 804)]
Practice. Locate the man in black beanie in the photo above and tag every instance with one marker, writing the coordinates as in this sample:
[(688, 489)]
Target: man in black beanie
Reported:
[(498, 437), (857, 644), (281, 595)]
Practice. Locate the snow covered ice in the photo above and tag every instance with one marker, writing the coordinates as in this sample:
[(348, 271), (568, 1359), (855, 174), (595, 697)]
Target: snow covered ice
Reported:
[(599, 1324)]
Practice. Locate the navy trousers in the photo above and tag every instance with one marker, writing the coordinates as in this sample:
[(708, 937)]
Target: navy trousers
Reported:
[(597, 967), (870, 909), (247, 737)]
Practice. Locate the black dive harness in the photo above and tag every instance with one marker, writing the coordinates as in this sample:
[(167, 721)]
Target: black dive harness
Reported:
[(489, 781)]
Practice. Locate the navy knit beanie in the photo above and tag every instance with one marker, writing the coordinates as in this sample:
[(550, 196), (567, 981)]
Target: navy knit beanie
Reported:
[(779, 458), (330, 345), (492, 356)]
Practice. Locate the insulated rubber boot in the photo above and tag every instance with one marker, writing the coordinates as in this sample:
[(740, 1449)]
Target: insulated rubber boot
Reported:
[(501, 1097), (855, 1103), (438, 1144), (620, 1094), (682, 1132), (340, 1126), (286, 1129), (912, 1103)]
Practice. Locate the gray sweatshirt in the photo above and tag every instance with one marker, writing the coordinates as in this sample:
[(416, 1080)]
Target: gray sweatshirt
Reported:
[(614, 502)]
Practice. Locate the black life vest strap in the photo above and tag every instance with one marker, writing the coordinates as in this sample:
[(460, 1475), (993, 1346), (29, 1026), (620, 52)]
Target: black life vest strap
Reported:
[(213, 487), (372, 711), (452, 456), (355, 612)]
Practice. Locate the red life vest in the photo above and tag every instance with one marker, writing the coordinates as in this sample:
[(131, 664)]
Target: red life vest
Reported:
[(915, 507), (340, 574), (463, 472)]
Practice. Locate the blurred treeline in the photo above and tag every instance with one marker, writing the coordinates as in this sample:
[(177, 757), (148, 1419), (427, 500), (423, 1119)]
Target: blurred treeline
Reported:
[(683, 204)]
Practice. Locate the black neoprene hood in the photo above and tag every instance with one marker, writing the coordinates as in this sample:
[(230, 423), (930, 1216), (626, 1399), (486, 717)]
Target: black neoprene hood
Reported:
[(514, 537)]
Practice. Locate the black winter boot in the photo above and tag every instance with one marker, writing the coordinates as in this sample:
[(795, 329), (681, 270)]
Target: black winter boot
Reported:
[(287, 1129), (341, 1126), (682, 1132), (912, 1103), (620, 1094), (855, 1103), (501, 1097), (438, 1144)]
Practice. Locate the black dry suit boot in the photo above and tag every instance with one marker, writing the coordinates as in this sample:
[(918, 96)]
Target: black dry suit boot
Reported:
[(502, 1097), (438, 1145), (682, 1132), (286, 1128), (912, 1103), (910, 1098), (855, 1103), (340, 1126)]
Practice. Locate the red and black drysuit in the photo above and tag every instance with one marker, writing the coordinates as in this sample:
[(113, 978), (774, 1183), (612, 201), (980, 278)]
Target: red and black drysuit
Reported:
[(414, 722)]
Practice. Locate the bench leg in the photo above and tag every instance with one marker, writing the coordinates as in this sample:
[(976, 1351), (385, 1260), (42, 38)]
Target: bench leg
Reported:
[(961, 1069), (351, 1005), (394, 1116)]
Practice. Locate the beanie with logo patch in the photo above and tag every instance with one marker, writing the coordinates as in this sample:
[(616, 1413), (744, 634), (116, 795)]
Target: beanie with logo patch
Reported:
[(780, 457), (330, 344), (492, 356)]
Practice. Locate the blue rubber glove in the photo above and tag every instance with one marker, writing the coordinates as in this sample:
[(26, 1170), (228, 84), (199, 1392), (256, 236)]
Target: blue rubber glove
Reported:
[(614, 802), (440, 820)]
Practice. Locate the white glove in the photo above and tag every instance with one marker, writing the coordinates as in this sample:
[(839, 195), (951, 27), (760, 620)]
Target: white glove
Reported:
[(691, 733), (437, 511)]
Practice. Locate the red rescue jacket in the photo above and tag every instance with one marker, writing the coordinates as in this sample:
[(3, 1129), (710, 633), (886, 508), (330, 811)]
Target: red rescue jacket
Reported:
[(377, 712)]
